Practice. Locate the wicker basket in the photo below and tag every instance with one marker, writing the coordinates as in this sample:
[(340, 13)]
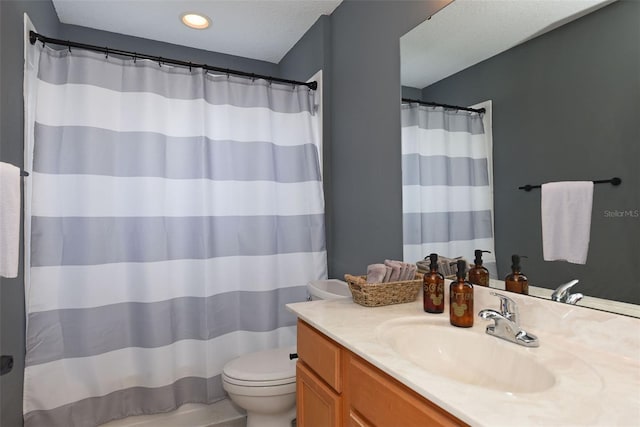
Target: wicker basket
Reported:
[(379, 294)]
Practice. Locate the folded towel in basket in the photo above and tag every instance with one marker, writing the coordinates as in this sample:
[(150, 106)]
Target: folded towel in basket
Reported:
[(376, 273), (396, 269)]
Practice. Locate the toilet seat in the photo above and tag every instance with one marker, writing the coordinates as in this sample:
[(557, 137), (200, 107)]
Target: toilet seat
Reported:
[(245, 383), (262, 369)]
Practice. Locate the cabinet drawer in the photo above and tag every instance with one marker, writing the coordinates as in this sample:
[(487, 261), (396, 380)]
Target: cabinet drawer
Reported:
[(321, 354), (385, 402)]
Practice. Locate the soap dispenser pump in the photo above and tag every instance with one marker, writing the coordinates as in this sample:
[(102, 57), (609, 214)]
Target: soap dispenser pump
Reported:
[(433, 288), (516, 281), (479, 275), (461, 299)]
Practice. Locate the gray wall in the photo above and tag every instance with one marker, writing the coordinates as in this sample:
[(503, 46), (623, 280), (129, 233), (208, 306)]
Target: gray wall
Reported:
[(565, 107), (167, 50), (365, 130), (411, 92), (11, 151)]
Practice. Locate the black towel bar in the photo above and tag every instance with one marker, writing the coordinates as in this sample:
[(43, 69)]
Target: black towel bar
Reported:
[(612, 181)]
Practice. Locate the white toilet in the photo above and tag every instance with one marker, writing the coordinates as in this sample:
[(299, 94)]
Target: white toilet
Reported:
[(264, 383), (328, 289)]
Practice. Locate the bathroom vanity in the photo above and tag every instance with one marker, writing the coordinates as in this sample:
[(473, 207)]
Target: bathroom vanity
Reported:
[(397, 365), (336, 387)]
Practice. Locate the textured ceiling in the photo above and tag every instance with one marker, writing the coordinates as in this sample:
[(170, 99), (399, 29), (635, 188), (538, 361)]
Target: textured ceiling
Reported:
[(258, 29), (469, 31)]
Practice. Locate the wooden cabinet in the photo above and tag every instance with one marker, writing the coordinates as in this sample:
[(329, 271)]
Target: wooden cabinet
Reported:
[(320, 354), (319, 379), (337, 388), (318, 404)]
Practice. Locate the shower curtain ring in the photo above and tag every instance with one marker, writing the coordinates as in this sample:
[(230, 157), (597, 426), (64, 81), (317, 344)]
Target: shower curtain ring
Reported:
[(189, 66), (135, 57), (107, 52), (69, 45), (160, 61)]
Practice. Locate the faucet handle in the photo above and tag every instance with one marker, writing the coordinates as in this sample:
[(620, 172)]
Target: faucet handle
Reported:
[(562, 292), (508, 307), (574, 298)]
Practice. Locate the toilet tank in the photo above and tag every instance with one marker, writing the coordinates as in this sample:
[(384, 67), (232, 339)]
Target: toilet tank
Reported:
[(328, 289)]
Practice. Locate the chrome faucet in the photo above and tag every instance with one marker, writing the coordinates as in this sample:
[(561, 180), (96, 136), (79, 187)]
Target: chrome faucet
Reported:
[(506, 323), (563, 293)]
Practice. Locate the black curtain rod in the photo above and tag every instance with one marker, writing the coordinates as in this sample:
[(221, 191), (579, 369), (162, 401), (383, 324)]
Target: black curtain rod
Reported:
[(612, 181), (452, 107), (33, 37)]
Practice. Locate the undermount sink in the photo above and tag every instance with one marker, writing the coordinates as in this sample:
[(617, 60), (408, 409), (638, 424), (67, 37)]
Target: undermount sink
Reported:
[(465, 355)]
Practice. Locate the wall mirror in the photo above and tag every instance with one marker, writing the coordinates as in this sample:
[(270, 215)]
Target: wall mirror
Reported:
[(563, 78)]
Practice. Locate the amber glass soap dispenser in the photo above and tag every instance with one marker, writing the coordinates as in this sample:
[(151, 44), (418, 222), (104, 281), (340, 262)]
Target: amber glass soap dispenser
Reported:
[(433, 288), (461, 299), (516, 281), (479, 275)]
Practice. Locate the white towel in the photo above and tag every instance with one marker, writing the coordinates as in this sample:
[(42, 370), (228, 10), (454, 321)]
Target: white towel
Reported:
[(566, 220), (9, 219)]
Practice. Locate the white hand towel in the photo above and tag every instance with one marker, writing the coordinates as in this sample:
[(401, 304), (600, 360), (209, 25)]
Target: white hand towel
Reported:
[(9, 219), (566, 220)]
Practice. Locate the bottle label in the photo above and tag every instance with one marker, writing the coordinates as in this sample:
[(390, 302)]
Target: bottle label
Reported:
[(459, 304), (436, 293)]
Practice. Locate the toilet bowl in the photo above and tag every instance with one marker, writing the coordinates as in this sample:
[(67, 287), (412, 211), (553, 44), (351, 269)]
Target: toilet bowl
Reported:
[(264, 385)]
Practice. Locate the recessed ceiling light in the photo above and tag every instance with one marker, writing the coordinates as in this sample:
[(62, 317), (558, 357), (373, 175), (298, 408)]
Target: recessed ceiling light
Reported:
[(195, 20)]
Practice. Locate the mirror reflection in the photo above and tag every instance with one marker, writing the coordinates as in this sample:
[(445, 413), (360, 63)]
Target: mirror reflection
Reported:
[(563, 95)]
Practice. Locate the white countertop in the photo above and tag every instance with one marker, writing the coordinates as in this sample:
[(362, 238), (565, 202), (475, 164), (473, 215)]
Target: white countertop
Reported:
[(594, 355)]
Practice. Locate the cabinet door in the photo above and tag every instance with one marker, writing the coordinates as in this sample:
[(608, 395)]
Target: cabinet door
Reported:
[(318, 405)]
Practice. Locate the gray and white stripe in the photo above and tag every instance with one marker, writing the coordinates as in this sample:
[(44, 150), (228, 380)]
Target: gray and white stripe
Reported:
[(173, 215), (96, 151), (93, 241), (447, 195)]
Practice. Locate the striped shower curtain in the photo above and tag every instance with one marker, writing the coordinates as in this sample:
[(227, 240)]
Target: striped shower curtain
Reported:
[(447, 196), (173, 214)]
